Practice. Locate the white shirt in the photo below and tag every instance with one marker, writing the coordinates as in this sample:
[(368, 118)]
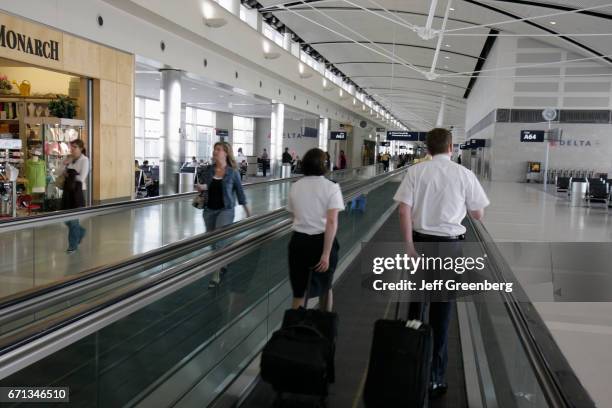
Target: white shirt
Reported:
[(240, 158), (440, 192), (81, 166), (309, 199)]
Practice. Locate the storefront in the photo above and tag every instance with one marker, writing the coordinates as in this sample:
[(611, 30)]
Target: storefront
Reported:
[(56, 88)]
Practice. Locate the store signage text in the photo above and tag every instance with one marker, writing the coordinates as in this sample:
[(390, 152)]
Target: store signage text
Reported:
[(25, 43), (531, 136)]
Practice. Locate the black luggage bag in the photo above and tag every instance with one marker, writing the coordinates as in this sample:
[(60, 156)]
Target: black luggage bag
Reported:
[(400, 365), (299, 357)]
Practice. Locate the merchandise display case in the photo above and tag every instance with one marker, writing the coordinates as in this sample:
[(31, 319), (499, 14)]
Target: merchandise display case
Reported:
[(48, 144)]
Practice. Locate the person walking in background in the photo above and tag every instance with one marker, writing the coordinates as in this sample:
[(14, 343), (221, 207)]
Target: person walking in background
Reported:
[(241, 161), (342, 160), (434, 198), (264, 162), (385, 161), (75, 184), (221, 183), (287, 159), (314, 203)]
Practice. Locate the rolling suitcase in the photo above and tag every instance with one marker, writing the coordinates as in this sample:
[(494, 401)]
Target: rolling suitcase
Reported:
[(299, 357), (400, 364)]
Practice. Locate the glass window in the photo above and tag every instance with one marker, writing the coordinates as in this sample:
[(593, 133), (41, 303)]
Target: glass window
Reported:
[(243, 135), (147, 130), (152, 109), (199, 134)]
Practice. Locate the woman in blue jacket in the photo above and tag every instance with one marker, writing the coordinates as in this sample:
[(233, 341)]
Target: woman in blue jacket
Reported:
[(223, 186)]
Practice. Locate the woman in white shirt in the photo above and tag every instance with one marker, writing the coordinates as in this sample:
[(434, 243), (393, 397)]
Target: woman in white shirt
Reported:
[(75, 185), (315, 203)]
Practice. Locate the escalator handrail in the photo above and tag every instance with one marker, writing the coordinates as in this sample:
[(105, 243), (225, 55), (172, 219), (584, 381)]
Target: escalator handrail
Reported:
[(46, 336), (561, 386), (40, 297), (65, 215)]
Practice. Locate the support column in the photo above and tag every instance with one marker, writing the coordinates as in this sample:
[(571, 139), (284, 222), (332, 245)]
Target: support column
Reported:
[(170, 98), (440, 120), (323, 133), (276, 138)]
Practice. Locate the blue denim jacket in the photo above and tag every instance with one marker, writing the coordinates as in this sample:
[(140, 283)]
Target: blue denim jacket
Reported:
[(231, 185)]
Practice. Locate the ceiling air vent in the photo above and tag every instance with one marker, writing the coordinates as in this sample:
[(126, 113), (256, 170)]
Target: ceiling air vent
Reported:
[(526, 115), (585, 116), (503, 115)]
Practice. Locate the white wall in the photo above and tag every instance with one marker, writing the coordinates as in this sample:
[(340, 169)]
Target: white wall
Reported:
[(262, 135), (225, 120), (482, 98), (293, 136), (510, 156), (41, 81)]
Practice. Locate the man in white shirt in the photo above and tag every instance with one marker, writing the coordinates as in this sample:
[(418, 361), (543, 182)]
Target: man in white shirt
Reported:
[(434, 198)]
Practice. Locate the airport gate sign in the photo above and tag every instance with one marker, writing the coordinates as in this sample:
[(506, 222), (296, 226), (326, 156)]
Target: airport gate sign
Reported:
[(532, 136)]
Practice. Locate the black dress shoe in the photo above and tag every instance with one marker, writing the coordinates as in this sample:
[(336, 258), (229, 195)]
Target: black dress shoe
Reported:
[(437, 390)]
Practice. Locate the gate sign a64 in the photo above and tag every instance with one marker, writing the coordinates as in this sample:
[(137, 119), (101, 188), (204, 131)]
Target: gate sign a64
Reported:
[(532, 136)]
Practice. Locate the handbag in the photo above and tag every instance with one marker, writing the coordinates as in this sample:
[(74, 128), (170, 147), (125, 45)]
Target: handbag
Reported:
[(60, 180), (200, 200)]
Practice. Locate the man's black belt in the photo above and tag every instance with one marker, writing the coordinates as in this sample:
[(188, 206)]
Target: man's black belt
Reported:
[(417, 236)]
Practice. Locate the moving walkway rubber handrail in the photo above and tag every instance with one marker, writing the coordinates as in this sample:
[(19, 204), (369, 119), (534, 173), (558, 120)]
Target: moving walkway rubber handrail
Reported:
[(44, 337), (64, 215), (561, 386), (39, 298)]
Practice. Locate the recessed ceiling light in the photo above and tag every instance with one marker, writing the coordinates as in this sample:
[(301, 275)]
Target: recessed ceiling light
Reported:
[(448, 45), (447, 57), (193, 89), (553, 22)]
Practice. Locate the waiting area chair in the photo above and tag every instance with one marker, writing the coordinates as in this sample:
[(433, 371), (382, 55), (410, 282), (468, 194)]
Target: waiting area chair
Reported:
[(598, 191), (563, 184)]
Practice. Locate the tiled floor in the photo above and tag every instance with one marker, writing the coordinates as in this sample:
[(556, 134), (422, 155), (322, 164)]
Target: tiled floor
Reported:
[(564, 269)]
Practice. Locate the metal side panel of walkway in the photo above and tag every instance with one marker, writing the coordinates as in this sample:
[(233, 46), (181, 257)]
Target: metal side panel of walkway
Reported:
[(357, 313)]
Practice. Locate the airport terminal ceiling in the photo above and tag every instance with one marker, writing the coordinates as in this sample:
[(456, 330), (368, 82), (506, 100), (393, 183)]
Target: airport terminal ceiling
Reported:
[(375, 44), (201, 93)]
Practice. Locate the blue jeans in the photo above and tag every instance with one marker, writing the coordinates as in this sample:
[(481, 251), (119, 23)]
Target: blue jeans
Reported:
[(75, 233), (214, 219)]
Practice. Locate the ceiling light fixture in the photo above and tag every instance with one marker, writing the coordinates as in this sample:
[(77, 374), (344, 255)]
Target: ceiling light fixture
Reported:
[(267, 49), (452, 9), (553, 22), (303, 73), (211, 19), (446, 57)]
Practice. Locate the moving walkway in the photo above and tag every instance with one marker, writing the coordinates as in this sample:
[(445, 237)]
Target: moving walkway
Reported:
[(151, 333), (34, 249)]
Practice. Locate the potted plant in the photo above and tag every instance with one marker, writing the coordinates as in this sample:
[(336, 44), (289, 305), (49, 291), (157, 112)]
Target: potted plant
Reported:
[(5, 85), (62, 107)]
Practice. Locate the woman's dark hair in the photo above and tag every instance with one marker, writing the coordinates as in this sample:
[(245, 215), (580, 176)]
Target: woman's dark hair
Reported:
[(313, 163), (79, 143)]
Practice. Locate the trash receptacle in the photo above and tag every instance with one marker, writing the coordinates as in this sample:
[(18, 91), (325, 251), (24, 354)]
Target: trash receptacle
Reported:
[(286, 170), (578, 193), (186, 182)]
